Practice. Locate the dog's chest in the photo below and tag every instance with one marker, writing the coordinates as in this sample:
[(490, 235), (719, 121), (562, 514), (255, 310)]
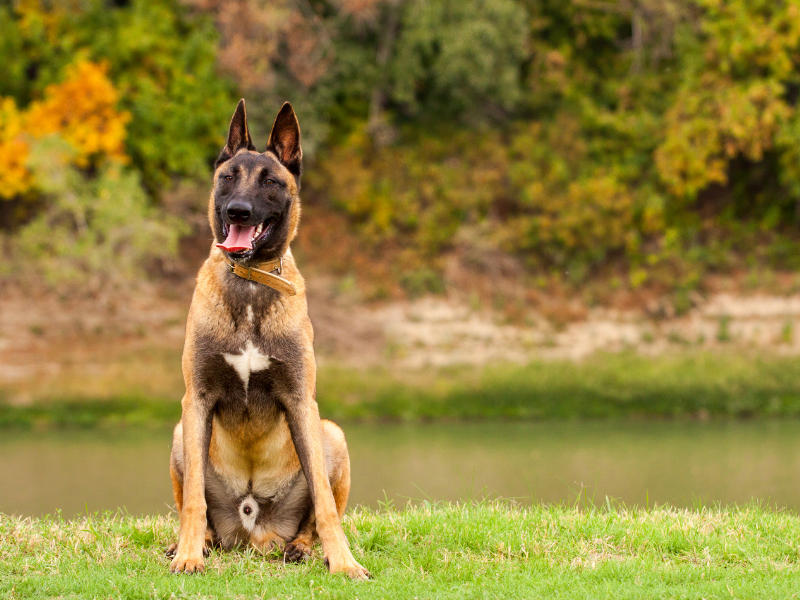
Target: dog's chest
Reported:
[(249, 360), (246, 367)]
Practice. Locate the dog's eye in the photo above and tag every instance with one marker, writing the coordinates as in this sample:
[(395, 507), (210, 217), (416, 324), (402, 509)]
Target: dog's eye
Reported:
[(269, 181), (229, 177)]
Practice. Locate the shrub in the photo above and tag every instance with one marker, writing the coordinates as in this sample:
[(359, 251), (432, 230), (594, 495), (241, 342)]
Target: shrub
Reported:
[(94, 232), (81, 110)]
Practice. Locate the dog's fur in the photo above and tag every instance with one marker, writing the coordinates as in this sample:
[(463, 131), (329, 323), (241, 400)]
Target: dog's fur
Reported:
[(252, 463)]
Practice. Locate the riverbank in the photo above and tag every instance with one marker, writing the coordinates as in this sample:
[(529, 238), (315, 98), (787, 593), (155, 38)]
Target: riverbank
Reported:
[(431, 551), (691, 384), (62, 348)]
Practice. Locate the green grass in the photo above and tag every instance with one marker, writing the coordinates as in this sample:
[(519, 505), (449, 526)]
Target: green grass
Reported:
[(137, 412), (689, 384), (606, 385), (486, 550)]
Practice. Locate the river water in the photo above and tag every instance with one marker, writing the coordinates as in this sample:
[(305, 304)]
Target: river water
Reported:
[(685, 464)]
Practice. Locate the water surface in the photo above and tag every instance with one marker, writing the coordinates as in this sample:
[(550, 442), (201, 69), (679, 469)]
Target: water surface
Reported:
[(681, 463)]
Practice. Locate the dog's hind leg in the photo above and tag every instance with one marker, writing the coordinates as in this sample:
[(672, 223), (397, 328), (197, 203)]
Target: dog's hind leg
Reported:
[(176, 475), (300, 547), (176, 467), (337, 461)]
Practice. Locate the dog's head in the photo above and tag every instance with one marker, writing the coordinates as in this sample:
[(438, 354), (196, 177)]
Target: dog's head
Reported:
[(254, 208)]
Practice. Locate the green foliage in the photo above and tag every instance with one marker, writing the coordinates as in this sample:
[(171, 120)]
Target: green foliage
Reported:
[(418, 282), (162, 60), (14, 80), (662, 135), (100, 230), (658, 137), (94, 223), (457, 58)]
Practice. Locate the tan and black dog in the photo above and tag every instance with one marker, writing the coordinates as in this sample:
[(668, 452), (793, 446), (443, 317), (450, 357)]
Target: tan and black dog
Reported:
[(252, 463)]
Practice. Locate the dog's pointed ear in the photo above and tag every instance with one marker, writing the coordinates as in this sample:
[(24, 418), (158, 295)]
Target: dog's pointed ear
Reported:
[(238, 135), (284, 140)]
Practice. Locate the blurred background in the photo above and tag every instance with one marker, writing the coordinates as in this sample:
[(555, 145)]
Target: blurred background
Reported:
[(551, 247)]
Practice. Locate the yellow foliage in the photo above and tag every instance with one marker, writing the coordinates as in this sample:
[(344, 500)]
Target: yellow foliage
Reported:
[(590, 215), (81, 110), (15, 178), (525, 193), (706, 129)]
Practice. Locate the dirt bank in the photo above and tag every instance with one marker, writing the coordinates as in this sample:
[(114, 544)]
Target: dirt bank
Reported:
[(56, 346)]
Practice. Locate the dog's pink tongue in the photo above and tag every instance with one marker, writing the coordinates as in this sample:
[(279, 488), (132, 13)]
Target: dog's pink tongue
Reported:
[(239, 238)]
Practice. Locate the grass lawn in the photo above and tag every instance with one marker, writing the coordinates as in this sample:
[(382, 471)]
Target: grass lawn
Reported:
[(487, 550)]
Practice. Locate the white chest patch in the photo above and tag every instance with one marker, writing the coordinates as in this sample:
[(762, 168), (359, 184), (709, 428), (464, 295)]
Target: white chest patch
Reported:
[(247, 362)]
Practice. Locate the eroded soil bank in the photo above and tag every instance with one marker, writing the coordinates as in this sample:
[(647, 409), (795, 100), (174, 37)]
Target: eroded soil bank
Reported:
[(77, 346)]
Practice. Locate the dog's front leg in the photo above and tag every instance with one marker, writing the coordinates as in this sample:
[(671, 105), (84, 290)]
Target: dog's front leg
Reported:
[(196, 424), (302, 415)]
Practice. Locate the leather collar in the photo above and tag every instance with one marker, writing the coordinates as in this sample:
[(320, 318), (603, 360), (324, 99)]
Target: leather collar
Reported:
[(264, 274)]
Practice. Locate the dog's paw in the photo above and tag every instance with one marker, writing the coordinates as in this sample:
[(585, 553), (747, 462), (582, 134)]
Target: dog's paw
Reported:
[(173, 550), (187, 565), (350, 568), (296, 551), (358, 573)]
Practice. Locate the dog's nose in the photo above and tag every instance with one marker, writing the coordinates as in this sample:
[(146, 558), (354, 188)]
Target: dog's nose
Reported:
[(239, 211)]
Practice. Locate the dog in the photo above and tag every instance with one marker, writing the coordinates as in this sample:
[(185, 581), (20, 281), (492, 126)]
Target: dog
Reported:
[(252, 463)]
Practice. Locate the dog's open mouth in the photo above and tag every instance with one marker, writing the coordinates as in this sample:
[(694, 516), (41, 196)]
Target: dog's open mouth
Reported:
[(239, 238)]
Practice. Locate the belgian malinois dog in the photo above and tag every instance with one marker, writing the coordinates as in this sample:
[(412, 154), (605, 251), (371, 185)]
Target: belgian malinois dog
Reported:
[(252, 463)]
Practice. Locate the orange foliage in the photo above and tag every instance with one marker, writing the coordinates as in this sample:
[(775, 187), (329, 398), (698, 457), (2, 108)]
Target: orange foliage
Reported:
[(81, 110), (15, 178)]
